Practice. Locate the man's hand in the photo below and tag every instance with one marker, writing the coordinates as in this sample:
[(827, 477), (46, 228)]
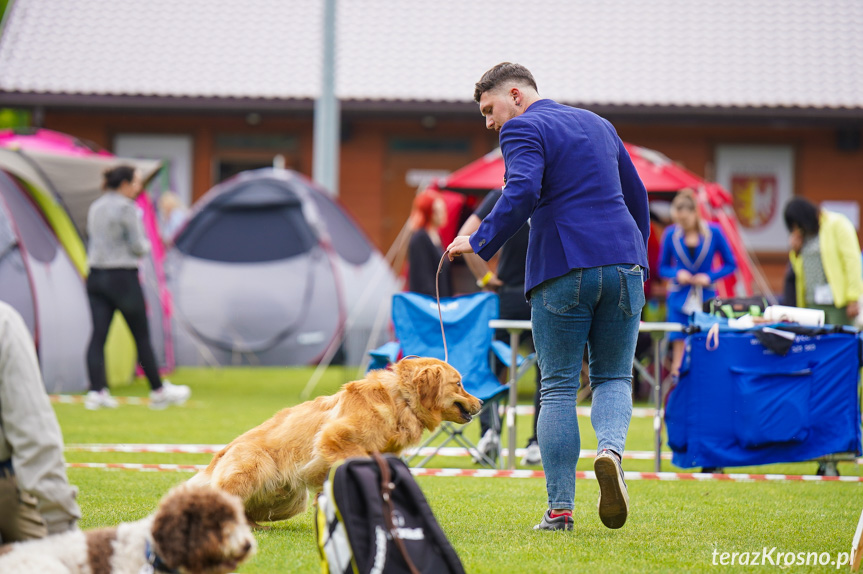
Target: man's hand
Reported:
[(459, 246)]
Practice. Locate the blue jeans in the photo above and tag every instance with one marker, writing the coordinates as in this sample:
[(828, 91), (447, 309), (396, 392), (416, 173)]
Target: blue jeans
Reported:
[(599, 306)]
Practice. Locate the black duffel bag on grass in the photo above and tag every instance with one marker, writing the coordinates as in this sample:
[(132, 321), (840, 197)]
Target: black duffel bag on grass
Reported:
[(372, 517)]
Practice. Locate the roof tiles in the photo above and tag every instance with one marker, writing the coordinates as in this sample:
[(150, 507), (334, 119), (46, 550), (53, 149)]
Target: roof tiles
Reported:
[(735, 53)]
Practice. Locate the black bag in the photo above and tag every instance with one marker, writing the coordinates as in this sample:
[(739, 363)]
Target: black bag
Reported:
[(372, 517), (736, 307)]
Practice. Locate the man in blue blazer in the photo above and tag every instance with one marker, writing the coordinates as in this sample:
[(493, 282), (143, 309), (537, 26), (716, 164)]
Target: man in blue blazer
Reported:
[(569, 175)]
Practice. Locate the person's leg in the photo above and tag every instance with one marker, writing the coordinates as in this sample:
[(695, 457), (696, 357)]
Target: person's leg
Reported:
[(677, 340), (101, 311), (130, 301), (677, 348), (19, 515), (611, 345), (562, 313)]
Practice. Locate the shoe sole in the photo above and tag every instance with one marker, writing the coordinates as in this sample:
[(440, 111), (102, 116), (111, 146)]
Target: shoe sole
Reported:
[(613, 499)]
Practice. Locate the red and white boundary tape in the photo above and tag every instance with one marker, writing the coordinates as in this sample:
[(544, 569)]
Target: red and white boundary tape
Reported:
[(162, 448), (142, 467), (214, 448), (492, 473)]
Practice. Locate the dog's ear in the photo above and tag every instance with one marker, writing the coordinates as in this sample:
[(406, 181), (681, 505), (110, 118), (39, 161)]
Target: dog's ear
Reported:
[(428, 381)]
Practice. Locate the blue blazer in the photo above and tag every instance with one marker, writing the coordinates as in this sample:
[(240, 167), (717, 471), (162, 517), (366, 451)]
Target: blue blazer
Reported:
[(674, 256), (567, 170)]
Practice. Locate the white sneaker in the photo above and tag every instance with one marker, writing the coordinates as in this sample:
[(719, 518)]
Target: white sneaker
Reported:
[(169, 394), (489, 445), (95, 400), (532, 456)]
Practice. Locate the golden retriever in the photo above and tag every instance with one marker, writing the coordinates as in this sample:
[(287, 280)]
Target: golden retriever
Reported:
[(272, 467)]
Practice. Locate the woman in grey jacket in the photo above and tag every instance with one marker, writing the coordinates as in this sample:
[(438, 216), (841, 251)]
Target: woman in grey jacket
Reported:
[(116, 243)]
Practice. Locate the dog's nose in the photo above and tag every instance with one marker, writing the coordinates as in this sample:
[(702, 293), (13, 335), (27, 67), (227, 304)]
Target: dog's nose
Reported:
[(246, 547), (481, 402)]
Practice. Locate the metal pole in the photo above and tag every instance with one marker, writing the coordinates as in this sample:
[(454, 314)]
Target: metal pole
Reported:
[(325, 163), (657, 398), (513, 394)]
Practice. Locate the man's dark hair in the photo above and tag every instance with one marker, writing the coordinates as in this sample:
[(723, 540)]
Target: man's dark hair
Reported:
[(503, 72), (115, 177), (802, 213)]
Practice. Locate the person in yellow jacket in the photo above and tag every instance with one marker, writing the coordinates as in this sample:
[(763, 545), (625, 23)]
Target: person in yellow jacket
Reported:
[(825, 256)]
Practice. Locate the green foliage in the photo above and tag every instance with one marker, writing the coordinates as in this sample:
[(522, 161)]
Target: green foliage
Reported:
[(673, 526)]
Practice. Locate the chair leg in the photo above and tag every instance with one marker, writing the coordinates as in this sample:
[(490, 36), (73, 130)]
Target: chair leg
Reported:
[(456, 435), (425, 443), (475, 453)]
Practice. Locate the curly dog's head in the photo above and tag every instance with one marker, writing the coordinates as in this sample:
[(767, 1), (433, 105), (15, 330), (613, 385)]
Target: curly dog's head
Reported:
[(201, 530)]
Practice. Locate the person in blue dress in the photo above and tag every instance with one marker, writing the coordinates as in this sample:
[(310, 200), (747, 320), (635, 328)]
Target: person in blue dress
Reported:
[(686, 260)]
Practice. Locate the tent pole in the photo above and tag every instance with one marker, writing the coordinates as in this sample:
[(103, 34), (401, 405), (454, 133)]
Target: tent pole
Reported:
[(334, 346)]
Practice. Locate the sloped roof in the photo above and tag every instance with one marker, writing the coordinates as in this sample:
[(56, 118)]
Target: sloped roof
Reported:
[(666, 53)]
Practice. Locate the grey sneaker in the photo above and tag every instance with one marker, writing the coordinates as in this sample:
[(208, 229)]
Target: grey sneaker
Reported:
[(562, 522), (613, 496), (95, 400), (489, 445), (532, 456), (169, 394)]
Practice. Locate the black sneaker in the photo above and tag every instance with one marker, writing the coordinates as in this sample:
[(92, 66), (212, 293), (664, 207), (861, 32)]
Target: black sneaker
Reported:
[(613, 496), (561, 522)]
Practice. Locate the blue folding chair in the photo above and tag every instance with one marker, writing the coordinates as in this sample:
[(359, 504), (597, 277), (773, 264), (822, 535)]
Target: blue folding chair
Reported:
[(469, 343)]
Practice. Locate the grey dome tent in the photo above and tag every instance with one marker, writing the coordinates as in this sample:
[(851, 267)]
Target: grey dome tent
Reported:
[(39, 279), (268, 270)]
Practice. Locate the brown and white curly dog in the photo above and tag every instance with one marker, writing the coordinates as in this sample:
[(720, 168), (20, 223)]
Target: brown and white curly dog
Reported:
[(195, 530), (272, 467)]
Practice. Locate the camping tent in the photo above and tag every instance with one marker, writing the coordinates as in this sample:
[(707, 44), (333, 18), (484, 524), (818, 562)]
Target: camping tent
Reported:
[(269, 270), (63, 177), (40, 280), (661, 177)]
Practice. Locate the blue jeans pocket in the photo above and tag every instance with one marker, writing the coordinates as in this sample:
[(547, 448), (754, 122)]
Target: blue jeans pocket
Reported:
[(631, 290), (771, 407), (561, 294)]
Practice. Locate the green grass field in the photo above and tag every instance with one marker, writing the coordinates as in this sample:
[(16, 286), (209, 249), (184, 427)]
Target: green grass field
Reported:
[(673, 526)]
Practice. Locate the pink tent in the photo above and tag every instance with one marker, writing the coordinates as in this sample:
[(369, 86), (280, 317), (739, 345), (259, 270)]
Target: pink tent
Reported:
[(72, 171)]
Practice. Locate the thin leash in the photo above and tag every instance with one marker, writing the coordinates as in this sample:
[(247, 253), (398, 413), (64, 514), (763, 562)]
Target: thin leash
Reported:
[(439, 312)]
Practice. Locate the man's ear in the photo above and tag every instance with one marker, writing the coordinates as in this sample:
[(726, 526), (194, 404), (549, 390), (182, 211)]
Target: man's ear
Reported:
[(515, 94), (428, 384)]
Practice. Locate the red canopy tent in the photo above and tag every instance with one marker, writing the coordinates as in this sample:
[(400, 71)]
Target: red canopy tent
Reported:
[(661, 177)]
